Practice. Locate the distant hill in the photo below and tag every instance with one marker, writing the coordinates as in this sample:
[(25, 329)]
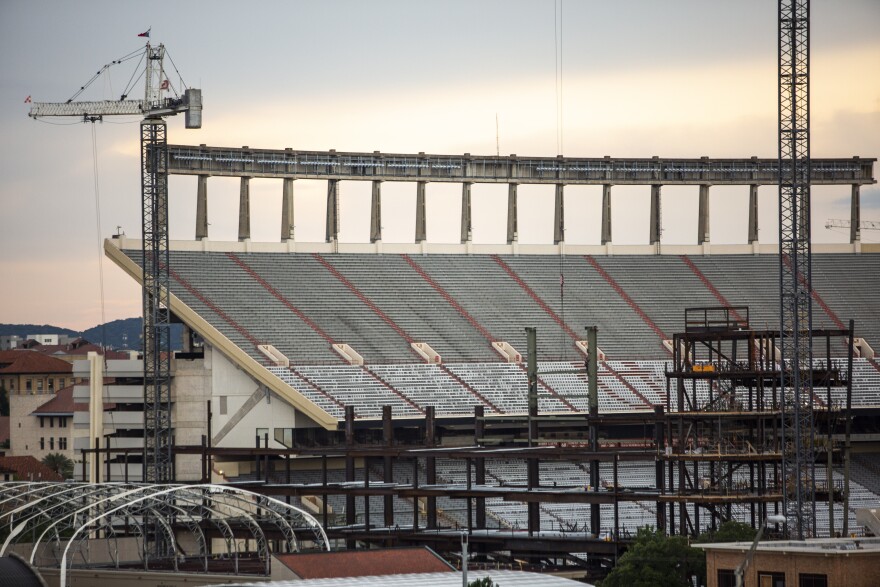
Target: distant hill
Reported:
[(117, 334)]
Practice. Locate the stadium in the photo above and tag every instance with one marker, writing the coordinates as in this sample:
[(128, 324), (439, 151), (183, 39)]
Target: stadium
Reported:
[(389, 393)]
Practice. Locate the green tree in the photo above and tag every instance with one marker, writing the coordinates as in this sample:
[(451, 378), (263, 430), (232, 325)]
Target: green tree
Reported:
[(59, 463), (657, 560), (484, 582), (731, 531)]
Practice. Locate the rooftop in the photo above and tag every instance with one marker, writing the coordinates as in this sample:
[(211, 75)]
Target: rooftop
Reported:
[(359, 563), (29, 362), (870, 546)]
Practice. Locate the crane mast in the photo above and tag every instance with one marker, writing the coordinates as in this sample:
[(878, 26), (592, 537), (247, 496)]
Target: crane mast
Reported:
[(795, 282)]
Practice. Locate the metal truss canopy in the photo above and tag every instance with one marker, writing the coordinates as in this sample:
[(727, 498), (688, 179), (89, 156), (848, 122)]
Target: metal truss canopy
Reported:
[(81, 525)]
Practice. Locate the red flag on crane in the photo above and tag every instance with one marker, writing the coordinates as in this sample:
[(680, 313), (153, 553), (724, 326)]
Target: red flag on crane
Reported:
[(164, 85), (146, 33)]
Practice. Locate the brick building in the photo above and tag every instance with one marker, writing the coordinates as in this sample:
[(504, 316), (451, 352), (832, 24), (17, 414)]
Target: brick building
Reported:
[(822, 562)]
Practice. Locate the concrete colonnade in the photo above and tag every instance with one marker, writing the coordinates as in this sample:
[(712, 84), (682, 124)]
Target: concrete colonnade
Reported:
[(466, 233)]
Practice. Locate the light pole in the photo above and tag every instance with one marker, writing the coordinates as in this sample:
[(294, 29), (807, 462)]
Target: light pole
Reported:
[(464, 559), (741, 569)]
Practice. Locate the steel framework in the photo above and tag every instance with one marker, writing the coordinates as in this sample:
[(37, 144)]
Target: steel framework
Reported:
[(794, 267), (158, 460)]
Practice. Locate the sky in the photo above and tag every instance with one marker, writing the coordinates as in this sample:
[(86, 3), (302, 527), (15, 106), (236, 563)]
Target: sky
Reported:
[(636, 78)]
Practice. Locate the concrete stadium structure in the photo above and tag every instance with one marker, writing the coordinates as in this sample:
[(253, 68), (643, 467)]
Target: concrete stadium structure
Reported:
[(342, 376)]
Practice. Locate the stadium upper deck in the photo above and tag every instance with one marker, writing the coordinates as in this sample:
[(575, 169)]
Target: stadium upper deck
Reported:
[(379, 305)]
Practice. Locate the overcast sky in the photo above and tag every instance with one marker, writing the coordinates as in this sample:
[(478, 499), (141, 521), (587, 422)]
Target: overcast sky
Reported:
[(675, 78)]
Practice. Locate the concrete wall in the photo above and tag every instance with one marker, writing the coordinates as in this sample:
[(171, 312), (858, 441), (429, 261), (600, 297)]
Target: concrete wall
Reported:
[(191, 391), (248, 406)]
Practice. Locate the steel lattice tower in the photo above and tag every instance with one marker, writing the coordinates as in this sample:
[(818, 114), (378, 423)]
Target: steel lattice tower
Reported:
[(794, 267), (158, 460)]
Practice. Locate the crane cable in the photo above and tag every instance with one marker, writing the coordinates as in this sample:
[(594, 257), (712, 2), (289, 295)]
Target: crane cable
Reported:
[(82, 88), (557, 46), (98, 228)]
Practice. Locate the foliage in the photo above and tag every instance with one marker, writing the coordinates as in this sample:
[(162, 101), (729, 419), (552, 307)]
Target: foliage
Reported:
[(4, 402), (59, 463), (731, 531), (657, 560), (484, 582)]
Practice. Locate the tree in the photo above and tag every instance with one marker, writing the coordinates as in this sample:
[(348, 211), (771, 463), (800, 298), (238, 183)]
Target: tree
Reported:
[(657, 560), (59, 463), (731, 531), (484, 582)]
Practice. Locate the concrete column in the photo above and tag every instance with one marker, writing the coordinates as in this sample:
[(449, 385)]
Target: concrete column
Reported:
[(511, 214), (287, 210), (244, 210), (606, 214), (855, 214), (655, 229), (202, 208), (421, 220), (753, 214), (332, 232), (703, 216), (559, 215), (466, 213), (376, 212), (96, 412)]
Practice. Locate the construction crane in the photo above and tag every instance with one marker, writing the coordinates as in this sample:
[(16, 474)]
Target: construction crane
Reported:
[(795, 309), (863, 225), (158, 464)]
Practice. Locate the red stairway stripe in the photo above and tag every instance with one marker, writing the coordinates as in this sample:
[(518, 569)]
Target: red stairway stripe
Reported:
[(626, 298), (439, 289), (362, 297), (718, 296), (534, 296), (277, 295)]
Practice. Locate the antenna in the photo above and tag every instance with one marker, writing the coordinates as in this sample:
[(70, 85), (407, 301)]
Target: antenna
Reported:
[(497, 142)]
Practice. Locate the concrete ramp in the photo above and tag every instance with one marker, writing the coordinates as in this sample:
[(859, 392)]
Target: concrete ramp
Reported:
[(870, 519)]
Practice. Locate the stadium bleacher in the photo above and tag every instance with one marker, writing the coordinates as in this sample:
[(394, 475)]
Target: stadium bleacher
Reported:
[(459, 304)]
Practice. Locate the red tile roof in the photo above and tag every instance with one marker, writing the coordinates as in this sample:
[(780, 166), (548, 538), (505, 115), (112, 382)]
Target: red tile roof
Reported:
[(62, 403), (363, 563), (28, 468), (28, 362)]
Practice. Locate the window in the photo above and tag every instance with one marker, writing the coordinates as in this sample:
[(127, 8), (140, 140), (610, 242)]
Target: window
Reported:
[(726, 578), (62, 422), (771, 579), (62, 443), (812, 580), (223, 407), (42, 422), (51, 384), (28, 385), (51, 443), (51, 421), (39, 385), (61, 383), (42, 443)]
